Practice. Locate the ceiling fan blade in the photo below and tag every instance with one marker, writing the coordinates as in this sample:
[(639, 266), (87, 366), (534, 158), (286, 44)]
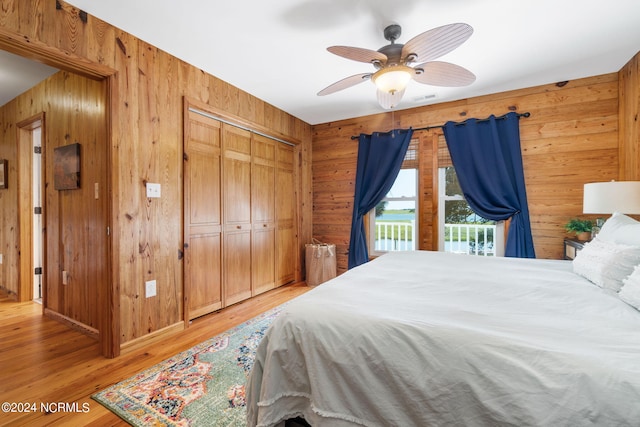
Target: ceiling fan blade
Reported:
[(436, 42), (358, 54), (388, 100), (345, 83), (439, 73)]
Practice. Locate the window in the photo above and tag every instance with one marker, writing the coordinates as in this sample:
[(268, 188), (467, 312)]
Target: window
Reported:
[(393, 224), (461, 229)]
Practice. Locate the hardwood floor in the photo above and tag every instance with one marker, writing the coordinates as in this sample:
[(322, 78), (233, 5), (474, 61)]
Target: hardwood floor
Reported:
[(43, 362)]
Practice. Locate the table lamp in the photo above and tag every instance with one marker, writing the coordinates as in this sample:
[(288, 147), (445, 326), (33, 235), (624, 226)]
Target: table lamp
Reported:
[(610, 197)]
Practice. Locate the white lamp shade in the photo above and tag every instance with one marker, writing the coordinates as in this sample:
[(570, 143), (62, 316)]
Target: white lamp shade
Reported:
[(389, 100), (392, 79), (610, 197)]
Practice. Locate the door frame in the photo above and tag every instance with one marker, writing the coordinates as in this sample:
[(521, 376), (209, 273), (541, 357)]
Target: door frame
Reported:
[(22, 45)]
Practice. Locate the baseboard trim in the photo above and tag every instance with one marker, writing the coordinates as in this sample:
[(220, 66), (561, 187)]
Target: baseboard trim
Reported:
[(72, 323), (159, 335)]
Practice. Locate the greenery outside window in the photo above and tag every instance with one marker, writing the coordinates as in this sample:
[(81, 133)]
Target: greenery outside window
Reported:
[(460, 229)]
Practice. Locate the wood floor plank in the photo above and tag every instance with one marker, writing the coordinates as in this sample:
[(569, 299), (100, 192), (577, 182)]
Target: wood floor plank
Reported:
[(43, 362)]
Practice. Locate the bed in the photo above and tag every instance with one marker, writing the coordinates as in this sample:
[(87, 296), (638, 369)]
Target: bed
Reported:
[(436, 339)]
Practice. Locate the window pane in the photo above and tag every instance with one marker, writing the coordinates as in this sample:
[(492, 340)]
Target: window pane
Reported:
[(462, 230), (452, 186), (405, 184), (395, 226), (457, 212), (396, 210)]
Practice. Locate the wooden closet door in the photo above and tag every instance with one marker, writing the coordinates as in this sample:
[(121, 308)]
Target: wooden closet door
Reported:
[(263, 183), (286, 202), (203, 226), (237, 214)]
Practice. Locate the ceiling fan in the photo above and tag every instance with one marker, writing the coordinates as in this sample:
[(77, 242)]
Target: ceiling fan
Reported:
[(393, 62)]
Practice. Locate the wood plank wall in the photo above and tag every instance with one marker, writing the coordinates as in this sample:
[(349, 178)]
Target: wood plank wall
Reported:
[(571, 138), (629, 135), (146, 93)]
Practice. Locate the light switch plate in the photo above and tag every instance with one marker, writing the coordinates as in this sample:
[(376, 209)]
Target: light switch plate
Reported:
[(153, 190), (150, 289)]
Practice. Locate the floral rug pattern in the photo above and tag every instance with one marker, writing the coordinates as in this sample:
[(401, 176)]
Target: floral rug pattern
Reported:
[(203, 386)]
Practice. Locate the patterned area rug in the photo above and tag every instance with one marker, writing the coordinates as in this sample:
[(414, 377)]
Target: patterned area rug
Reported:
[(203, 386)]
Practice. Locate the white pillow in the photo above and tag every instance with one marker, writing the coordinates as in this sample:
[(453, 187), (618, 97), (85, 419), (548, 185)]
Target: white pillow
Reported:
[(606, 264), (630, 292), (621, 229)]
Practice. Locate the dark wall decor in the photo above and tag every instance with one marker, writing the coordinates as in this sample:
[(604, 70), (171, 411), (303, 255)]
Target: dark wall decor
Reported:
[(66, 163), (4, 173)]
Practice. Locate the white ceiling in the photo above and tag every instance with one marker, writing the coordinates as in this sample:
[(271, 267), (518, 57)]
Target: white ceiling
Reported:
[(276, 50), (17, 74)]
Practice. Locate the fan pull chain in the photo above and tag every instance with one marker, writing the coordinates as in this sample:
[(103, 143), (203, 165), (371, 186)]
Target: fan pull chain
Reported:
[(393, 121)]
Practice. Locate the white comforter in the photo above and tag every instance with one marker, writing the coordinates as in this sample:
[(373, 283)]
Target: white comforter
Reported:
[(435, 339)]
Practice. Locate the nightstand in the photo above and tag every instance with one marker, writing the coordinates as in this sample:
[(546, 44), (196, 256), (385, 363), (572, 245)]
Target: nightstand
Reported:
[(572, 247)]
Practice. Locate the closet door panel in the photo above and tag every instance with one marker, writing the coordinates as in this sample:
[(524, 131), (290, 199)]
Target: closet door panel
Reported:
[(203, 227), (263, 177), (263, 180), (237, 175), (286, 202), (237, 266), (205, 295), (263, 266), (236, 186)]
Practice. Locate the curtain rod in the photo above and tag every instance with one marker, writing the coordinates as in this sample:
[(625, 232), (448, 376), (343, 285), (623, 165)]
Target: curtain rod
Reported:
[(527, 114)]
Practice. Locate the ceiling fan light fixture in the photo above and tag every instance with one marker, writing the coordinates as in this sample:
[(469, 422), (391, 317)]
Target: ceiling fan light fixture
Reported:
[(392, 79), (392, 62)]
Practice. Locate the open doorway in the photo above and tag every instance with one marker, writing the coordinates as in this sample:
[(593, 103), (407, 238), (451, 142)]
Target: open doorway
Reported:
[(36, 193), (30, 199), (67, 230)]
